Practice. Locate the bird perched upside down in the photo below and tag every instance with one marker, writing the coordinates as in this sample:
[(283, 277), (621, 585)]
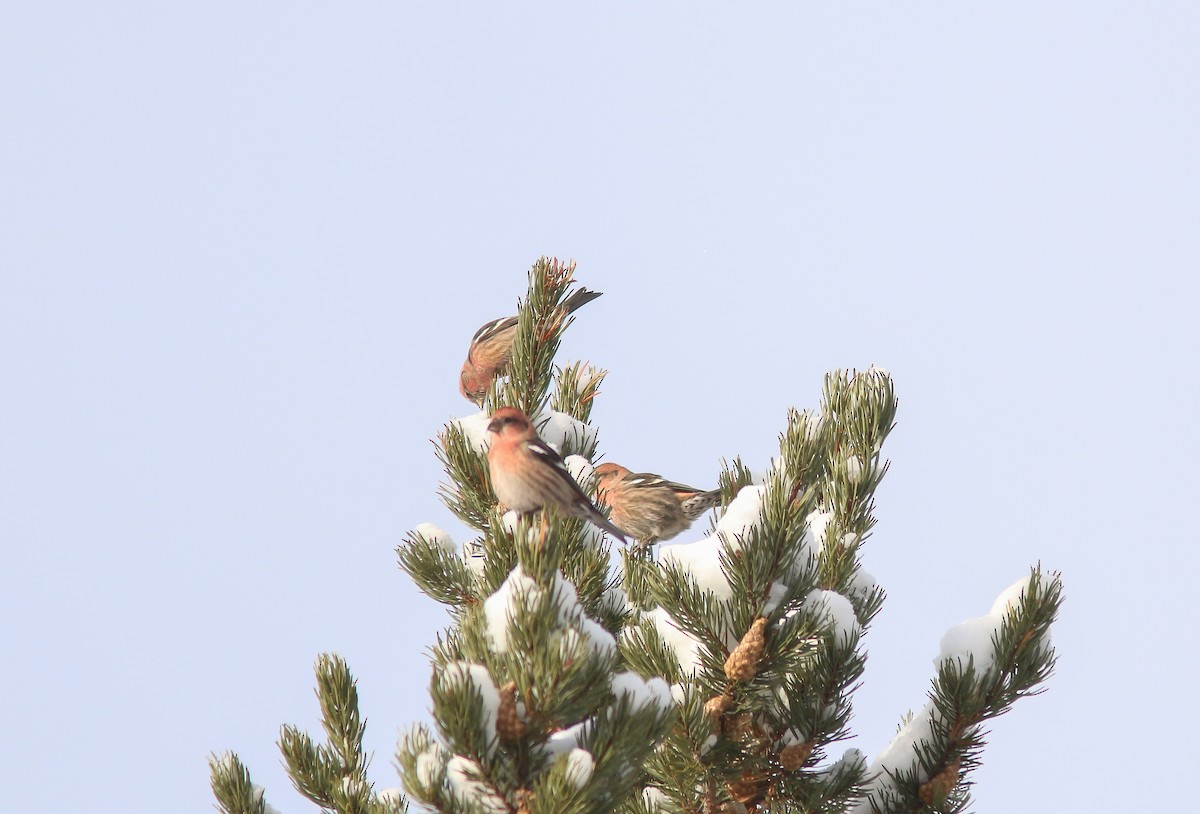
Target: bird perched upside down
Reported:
[(491, 349), (648, 507), (528, 475)]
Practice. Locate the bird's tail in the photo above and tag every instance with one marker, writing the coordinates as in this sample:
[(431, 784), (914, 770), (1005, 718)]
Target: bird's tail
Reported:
[(698, 504), (579, 299), (602, 521)]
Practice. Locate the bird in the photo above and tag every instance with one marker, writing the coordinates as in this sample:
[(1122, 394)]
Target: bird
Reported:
[(649, 507), (528, 475), (491, 349)]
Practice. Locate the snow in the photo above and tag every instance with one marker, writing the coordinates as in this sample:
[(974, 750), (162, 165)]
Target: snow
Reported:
[(352, 785), (968, 640), (685, 646), (614, 599), (509, 521), (474, 427), (775, 595), (654, 797), (643, 692), (1010, 597), (900, 754), (591, 633), (600, 639), (429, 766), (851, 759), (521, 592), (700, 560), (564, 740), (436, 536), (580, 469), (862, 583), (743, 513), (579, 767), (429, 760), (791, 736), (818, 524), (854, 469), (473, 554), (500, 606), (973, 638), (835, 611), (462, 672), (556, 428), (460, 776), (392, 795)]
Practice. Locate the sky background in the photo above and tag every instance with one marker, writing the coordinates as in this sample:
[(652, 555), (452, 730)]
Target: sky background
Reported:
[(243, 247)]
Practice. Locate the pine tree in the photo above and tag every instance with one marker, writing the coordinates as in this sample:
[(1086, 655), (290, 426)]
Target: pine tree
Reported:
[(714, 677)]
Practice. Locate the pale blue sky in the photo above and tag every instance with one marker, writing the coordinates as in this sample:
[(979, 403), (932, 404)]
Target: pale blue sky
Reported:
[(243, 247)]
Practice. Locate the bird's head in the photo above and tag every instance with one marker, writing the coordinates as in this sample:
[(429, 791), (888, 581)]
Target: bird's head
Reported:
[(508, 420), (607, 474), (469, 384)]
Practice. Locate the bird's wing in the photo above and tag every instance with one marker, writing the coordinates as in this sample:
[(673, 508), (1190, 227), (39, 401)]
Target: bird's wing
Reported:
[(547, 454), (647, 480), (493, 327)]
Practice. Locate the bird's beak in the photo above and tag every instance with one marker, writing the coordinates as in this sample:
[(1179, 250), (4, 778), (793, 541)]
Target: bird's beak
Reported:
[(494, 425)]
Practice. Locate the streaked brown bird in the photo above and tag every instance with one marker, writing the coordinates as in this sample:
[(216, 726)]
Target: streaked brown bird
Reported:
[(649, 507), (491, 349), (528, 475)]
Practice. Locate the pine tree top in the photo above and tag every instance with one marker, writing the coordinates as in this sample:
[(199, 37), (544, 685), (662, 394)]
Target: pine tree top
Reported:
[(715, 675)]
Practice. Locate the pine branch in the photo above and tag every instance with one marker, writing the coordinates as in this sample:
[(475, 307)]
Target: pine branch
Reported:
[(988, 664), (576, 390), (468, 493), (436, 567), (541, 319), (767, 614), (231, 785), (731, 480), (333, 775)]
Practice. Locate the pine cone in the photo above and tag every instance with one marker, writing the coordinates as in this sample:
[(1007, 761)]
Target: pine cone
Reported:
[(748, 790), (509, 725), (717, 706), (738, 726), (792, 757), (940, 785), (742, 664)]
